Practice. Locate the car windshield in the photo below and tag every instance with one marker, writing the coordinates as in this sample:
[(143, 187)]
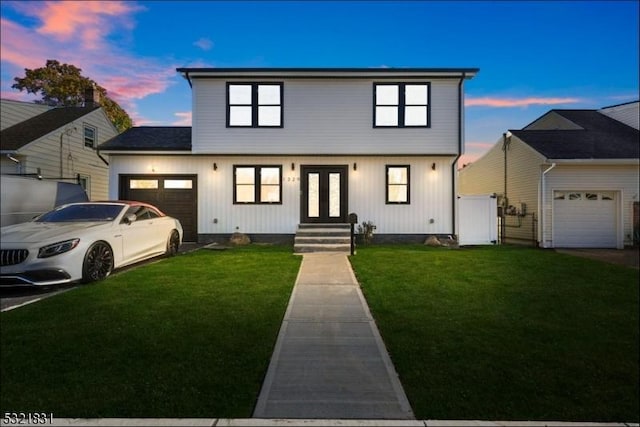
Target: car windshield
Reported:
[(81, 213)]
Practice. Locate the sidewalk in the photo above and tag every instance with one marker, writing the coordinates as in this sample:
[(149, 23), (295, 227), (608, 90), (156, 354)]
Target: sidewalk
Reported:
[(329, 360)]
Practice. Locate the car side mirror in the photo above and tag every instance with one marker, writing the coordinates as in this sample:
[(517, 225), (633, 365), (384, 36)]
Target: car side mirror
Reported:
[(130, 219)]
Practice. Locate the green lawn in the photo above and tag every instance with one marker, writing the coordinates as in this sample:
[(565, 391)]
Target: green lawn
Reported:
[(506, 333), (189, 336)]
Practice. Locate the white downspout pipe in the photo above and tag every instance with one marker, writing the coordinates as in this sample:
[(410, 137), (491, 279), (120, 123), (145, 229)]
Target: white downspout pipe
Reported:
[(541, 204)]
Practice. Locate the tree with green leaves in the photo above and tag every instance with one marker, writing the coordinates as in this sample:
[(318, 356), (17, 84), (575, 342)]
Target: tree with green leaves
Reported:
[(63, 85)]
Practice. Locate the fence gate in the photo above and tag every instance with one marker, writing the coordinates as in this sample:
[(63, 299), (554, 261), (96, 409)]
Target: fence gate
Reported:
[(478, 220)]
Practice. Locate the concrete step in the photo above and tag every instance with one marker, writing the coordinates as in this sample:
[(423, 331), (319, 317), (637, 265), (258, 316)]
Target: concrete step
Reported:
[(323, 238), (321, 247), (319, 232)]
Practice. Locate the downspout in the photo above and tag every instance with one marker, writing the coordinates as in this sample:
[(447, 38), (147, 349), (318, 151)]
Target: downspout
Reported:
[(61, 148), (101, 158), (506, 140), (454, 172), (541, 218)]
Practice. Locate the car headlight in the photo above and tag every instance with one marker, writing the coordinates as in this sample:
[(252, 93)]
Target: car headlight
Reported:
[(57, 248)]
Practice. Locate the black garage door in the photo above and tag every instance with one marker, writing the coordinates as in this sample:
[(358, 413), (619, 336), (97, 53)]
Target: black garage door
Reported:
[(175, 195)]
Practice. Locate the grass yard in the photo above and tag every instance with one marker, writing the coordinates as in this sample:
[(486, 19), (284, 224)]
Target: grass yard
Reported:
[(189, 336), (506, 333)]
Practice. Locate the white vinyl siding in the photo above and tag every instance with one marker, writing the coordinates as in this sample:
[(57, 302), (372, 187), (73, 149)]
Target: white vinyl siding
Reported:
[(628, 114), (324, 116), (429, 212), (44, 154), (486, 176)]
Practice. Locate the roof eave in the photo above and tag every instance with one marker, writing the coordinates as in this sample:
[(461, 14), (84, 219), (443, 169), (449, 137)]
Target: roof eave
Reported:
[(115, 152), (190, 73), (631, 161)]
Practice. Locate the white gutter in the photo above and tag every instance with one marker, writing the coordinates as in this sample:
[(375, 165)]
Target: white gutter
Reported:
[(541, 203), (595, 161)]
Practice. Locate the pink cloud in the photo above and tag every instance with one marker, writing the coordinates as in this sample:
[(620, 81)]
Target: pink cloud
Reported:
[(89, 21), (77, 33), (477, 145), (184, 118), (497, 102)]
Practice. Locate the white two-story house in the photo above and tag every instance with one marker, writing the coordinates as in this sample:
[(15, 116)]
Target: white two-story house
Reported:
[(270, 149)]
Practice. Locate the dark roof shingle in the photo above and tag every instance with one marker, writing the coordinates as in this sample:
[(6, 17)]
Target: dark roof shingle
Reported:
[(17, 136), (601, 138), (151, 138)]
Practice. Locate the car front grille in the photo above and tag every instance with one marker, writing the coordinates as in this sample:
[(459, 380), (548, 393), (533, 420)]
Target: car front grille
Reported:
[(13, 256)]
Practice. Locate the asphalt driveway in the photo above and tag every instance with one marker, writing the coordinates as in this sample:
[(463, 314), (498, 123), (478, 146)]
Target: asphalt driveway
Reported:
[(14, 297), (629, 257)]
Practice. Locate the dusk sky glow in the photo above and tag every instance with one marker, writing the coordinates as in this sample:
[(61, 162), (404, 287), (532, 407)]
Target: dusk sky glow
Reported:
[(533, 56)]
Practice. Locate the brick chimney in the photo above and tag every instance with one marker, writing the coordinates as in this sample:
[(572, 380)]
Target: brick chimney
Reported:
[(91, 97)]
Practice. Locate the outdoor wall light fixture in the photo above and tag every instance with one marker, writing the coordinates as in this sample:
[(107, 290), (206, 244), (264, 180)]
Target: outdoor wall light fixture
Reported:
[(215, 166), (293, 166), (355, 166), (433, 166)]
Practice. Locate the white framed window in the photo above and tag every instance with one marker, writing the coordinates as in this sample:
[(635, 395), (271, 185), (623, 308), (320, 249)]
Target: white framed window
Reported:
[(254, 104), (89, 134), (401, 104), (257, 184)]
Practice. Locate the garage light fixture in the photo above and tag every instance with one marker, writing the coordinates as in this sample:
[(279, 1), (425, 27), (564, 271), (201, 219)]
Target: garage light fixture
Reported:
[(215, 166)]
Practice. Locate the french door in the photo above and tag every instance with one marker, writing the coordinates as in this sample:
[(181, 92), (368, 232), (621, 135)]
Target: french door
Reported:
[(324, 194)]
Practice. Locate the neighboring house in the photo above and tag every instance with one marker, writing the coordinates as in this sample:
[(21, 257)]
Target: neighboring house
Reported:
[(270, 149), (13, 112), (56, 143), (569, 179)]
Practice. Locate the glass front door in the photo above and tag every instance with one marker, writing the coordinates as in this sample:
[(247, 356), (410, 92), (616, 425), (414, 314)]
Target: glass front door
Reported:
[(324, 194)]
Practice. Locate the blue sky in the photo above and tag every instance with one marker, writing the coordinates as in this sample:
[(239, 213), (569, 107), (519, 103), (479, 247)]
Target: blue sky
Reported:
[(533, 56)]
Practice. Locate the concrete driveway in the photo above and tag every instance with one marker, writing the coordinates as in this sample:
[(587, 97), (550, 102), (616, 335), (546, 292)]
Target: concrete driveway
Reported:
[(629, 257)]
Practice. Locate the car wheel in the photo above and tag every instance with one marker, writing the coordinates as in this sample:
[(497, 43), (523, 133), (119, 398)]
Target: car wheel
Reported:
[(173, 244), (98, 262)]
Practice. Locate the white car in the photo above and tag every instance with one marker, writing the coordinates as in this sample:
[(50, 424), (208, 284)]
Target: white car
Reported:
[(84, 242)]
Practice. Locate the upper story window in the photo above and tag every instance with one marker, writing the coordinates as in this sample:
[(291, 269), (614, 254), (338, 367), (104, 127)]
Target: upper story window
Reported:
[(89, 136), (397, 184), (254, 104), (257, 184), (401, 105)]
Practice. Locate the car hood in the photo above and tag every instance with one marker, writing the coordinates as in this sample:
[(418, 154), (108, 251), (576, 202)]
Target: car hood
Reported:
[(43, 232)]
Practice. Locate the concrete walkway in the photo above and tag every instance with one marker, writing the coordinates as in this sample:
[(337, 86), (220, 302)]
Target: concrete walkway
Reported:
[(329, 361)]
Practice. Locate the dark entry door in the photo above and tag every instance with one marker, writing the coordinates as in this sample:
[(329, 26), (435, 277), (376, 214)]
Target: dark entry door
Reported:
[(324, 194)]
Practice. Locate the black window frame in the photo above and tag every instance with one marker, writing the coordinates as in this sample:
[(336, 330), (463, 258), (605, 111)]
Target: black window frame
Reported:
[(257, 184), (255, 106), (387, 184), (402, 104)]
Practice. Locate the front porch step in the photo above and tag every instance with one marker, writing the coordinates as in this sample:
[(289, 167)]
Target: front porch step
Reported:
[(322, 238)]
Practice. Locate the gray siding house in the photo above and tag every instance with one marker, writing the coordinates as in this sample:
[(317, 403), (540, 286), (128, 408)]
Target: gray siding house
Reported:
[(56, 143), (569, 179), (270, 150)]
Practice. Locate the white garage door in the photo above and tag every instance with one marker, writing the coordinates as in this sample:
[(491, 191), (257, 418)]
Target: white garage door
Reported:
[(584, 219)]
